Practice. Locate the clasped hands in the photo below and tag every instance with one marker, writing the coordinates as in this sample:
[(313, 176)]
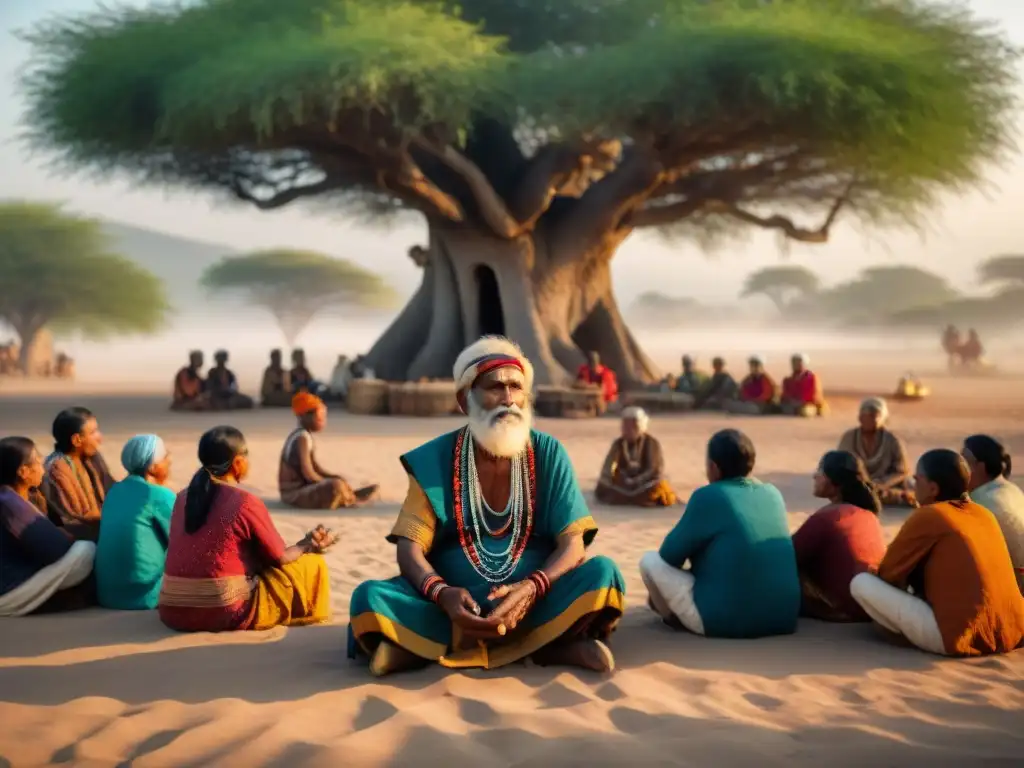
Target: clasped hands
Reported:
[(319, 540), (516, 601)]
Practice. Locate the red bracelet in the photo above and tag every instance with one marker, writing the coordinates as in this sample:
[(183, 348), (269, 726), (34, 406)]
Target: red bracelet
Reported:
[(432, 586), (541, 581)]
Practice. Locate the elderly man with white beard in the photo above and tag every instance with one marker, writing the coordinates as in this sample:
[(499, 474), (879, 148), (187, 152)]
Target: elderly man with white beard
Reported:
[(491, 543)]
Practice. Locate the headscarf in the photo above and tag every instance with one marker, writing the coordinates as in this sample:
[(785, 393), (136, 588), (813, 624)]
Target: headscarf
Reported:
[(142, 452), (803, 358), (637, 414), (305, 402), (878, 405), (487, 354), (756, 359)]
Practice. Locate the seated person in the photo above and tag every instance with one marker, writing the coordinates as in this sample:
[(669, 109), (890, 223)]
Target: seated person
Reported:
[(136, 527), (301, 480), (633, 471), (42, 568), (593, 373), (951, 346), (758, 392), (341, 377), (223, 386), (301, 377), (485, 588), (801, 392), (276, 389), (840, 540), (742, 580), (65, 368), (227, 566), (990, 467), (719, 390), (189, 386), (690, 381), (77, 479), (951, 553), (883, 454)]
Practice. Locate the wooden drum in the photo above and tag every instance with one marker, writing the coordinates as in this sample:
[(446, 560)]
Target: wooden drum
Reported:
[(429, 398), (660, 402), (569, 402), (367, 397)]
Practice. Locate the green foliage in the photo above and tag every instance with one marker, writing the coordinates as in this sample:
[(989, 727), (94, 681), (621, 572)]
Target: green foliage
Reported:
[(1007, 270), (996, 313), (295, 285), (880, 292), (910, 98), (781, 284), (56, 270)]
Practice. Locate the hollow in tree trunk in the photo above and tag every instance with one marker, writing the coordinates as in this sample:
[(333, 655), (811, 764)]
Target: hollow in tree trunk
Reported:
[(555, 302)]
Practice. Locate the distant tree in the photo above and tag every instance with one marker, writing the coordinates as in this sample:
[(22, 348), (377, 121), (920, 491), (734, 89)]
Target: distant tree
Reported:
[(535, 137), (295, 285), (781, 284), (883, 291), (996, 313), (1006, 270), (56, 271)]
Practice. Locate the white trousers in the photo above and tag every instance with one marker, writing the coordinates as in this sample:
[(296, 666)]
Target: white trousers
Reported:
[(672, 587), (70, 571), (898, 611)]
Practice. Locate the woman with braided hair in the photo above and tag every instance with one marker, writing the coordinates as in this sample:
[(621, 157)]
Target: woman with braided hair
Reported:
[(840, 540)]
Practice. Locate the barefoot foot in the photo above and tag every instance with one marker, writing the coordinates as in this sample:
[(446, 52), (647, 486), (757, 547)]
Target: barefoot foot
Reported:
[(586, 654), (389, 658)]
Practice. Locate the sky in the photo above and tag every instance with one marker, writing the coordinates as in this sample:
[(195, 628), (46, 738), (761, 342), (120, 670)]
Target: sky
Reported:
[(963, 232)]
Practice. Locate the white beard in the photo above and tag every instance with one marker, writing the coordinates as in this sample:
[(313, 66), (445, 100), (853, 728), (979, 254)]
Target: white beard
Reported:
[(499, 434)]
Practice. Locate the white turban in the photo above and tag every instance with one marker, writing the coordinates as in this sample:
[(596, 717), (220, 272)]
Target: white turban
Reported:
[(802, 358), (637, 414), (878, 405), (486, 354), (756, 359)]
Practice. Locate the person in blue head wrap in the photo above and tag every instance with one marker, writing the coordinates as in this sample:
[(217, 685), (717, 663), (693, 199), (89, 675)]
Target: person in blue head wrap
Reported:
[(135, 527)]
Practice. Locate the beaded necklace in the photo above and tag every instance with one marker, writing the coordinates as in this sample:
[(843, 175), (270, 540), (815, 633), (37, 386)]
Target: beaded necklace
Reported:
[(471, 510)]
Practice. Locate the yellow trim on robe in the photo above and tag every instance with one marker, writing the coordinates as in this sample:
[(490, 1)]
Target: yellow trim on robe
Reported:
[(303, 583), (580, 527), (500, 655), (369, 622), (416, 520)]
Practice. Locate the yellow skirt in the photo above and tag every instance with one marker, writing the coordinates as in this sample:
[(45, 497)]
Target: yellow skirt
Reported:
[(293, 595)]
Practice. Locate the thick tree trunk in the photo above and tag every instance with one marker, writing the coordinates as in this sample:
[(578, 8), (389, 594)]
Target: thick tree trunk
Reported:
[(31, 338), (557, 306)]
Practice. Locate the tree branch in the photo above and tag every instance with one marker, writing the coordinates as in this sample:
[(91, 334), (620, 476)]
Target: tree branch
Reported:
[(491, 207), (284, 197), (783, 223)]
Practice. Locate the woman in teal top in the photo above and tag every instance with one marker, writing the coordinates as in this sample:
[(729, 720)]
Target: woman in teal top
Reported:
[(742, 580), (134, 528)]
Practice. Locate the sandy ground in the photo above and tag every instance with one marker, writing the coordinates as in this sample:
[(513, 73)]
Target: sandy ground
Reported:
[(108, 688)]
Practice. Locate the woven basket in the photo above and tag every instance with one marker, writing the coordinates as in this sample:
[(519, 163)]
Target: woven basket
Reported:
[(569, 403), (367, 397), (434, 398)]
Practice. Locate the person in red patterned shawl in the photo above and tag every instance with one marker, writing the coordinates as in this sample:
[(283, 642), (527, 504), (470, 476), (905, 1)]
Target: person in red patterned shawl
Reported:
[(593, 372), (801, 392)]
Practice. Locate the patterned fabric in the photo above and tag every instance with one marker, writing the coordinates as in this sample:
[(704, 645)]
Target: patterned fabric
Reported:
[(76, 488), (588, 599), (211, 575)]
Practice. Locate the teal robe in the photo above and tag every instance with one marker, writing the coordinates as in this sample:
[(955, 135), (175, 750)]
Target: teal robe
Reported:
[(132, 547), (735, 534), (395, 609)]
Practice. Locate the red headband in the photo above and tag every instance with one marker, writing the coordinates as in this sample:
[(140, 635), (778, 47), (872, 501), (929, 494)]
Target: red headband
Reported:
[(489, 363)]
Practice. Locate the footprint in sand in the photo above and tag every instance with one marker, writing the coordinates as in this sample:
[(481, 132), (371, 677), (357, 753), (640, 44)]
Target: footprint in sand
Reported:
[(373, 712), (761, 701)]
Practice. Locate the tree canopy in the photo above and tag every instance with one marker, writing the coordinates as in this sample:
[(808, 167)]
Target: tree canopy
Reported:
[(650, 112), (879, 292), (56, 270), (295, 285), (1006, 271), (780, 284)]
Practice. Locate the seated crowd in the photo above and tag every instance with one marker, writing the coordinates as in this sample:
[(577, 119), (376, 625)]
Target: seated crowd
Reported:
[(491, 542)]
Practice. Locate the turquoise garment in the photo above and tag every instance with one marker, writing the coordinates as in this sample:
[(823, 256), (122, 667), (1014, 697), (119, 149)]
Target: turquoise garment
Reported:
[(396, 610), (134, 529), (736, 536)]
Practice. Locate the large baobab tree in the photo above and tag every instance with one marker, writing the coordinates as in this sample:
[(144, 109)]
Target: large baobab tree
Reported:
[(535, 136)]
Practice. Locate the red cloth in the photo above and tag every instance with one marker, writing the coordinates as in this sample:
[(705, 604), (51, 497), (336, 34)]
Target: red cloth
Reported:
[(835, 544), (757, 389), (603, 376), (238, 539), (801, 388)]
